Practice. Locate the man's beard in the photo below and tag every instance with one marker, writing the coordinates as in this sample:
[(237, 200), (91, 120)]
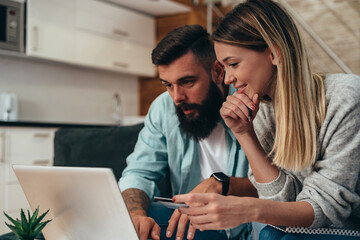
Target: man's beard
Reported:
[(201, 126)]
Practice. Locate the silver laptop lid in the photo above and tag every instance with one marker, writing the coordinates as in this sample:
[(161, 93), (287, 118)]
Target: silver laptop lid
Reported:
[(84, 203)]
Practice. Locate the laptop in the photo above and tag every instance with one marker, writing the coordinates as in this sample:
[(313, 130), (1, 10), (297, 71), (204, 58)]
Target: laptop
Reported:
[(84, 203)]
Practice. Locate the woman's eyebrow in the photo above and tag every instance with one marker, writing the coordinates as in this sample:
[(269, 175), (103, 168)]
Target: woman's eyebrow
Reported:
[(227, 58)]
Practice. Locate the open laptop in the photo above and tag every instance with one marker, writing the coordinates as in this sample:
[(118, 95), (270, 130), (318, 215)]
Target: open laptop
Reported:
[(84, 203)]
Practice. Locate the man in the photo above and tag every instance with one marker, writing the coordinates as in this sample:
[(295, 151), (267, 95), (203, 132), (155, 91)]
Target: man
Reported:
[(185, 137)]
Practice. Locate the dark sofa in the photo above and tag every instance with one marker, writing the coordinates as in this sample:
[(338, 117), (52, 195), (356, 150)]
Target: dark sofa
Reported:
[(99, 147), (95, 147)]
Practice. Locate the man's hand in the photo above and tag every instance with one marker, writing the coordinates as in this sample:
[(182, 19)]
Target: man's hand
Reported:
[(137, 202), (145, 226), (181, 220)]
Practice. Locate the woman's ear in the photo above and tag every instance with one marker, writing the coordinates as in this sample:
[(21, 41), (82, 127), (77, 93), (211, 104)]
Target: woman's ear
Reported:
[(275, 55), (217, 72)]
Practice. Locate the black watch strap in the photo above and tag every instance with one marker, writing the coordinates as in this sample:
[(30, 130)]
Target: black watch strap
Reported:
[(224, 179)]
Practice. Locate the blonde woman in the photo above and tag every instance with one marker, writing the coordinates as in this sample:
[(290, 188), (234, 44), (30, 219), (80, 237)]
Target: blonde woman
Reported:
[(299, 130)]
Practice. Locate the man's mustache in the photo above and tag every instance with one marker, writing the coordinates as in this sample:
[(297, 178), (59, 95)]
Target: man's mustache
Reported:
[(188, 106)]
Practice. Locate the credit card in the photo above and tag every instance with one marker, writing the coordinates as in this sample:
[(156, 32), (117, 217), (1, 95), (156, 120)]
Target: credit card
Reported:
[(168, 202)]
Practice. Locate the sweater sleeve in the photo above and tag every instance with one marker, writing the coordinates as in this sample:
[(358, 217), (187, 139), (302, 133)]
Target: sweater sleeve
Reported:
[(287, 185), (331, 185)]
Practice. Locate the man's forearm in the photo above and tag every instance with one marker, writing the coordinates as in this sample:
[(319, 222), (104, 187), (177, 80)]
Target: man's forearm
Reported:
[(242, 187), (137, 202)]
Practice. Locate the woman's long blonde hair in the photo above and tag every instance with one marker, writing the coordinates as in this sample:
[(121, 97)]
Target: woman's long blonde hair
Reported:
[(299, 95)]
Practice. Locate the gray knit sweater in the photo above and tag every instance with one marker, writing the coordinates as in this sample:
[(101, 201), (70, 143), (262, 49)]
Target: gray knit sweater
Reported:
[(332, 185)]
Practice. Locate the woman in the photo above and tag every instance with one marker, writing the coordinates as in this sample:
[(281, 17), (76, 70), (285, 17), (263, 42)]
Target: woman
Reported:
[(299, 130)]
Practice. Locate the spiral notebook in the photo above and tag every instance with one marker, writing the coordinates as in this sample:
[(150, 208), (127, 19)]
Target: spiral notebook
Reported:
[(332, 230)]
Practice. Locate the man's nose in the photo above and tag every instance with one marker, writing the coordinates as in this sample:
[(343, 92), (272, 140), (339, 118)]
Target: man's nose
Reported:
[(179, 95)]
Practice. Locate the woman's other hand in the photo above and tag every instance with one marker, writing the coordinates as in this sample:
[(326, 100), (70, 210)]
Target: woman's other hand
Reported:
[(217, 212)]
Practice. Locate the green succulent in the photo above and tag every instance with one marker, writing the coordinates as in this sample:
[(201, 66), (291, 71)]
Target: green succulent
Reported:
[(27, 228)]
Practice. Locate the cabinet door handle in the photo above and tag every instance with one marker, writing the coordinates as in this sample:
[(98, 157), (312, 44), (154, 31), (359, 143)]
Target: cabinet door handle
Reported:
[(41, 135), (41, 162), (121, 64), (120, 32), (2, 146), (35, 38)]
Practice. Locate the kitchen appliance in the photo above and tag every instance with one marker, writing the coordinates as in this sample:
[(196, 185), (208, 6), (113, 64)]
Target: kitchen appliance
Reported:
[(8, 106), (12, 25), (117, 114)]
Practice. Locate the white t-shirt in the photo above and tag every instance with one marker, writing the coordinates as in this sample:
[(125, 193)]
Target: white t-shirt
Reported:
[(213, 153)]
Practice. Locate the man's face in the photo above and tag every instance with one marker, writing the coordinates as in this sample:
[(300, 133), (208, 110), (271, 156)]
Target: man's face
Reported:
[(197, 98), (186, 81)]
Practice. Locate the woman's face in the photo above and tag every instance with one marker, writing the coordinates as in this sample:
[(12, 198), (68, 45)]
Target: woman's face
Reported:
[(247, 68)]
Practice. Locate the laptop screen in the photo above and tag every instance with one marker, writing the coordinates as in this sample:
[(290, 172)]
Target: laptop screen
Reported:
[(84, 203)]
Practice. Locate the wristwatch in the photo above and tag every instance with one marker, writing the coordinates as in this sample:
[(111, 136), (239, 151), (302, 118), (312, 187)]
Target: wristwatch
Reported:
[(224, 179)]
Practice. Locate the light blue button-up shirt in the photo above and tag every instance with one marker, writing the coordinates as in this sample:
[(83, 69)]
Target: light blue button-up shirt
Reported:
[(162, 147)]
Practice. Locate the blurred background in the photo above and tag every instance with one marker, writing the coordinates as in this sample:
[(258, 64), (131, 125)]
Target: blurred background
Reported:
[(88, 62)]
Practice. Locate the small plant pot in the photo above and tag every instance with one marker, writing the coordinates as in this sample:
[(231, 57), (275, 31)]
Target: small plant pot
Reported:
[(28, 227)]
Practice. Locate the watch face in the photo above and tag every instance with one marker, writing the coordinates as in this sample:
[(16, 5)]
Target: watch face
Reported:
[(221, 177)]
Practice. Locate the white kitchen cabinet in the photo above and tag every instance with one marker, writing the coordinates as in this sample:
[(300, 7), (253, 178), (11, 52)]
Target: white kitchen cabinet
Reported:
[(91, 33), (51, 43), (107, 53), (25, 146), (114, 22), (50, 30)]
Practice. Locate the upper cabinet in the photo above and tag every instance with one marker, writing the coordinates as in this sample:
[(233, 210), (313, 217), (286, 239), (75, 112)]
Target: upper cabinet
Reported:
[(117, 38), (51, 32), (91, 33)]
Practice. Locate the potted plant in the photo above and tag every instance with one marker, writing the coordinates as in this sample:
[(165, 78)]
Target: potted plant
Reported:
[(27, 228)]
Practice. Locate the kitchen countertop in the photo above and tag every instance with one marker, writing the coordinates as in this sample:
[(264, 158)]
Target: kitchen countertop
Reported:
[(49, 124)]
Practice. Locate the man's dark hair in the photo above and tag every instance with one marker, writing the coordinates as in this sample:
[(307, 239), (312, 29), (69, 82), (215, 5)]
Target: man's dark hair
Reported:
[(180, 41)]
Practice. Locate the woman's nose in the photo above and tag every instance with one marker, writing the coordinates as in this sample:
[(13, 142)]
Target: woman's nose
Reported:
[(228, 79)]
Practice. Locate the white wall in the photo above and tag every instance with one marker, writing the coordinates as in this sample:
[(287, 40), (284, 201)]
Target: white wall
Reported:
[(53, 92)]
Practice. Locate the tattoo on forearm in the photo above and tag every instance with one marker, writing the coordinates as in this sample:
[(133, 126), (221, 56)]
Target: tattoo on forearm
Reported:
[(136, 199)]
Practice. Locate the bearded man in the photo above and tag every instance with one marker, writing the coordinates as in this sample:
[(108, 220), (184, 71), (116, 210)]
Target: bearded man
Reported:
[(185, 137)]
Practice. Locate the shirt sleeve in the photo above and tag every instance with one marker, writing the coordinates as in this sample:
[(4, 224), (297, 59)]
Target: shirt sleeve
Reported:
[(148, 164)]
